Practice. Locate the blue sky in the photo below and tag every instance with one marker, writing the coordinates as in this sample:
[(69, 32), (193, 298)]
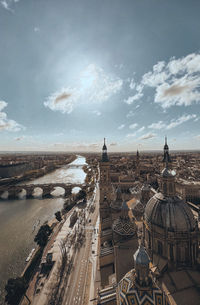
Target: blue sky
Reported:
[(73, 72)]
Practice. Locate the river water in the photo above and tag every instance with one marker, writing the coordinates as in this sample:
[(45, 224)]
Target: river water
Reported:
[(21, 219)]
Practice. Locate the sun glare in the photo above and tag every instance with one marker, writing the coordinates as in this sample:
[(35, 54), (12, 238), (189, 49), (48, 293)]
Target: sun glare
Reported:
[(88, 77)]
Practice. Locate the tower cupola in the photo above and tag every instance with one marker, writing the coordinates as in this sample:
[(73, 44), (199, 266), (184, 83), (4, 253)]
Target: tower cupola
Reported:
[(166, 157), (142, 260), (104, 152)]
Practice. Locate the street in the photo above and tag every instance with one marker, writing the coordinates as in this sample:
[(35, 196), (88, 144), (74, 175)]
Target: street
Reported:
[(76, 288)]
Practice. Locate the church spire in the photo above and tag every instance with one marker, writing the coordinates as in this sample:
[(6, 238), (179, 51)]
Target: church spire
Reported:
[(104, 152), (166, 157), (167, 176)]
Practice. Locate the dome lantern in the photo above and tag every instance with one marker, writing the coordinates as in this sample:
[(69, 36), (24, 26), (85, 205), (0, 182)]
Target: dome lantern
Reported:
[(141, 261)]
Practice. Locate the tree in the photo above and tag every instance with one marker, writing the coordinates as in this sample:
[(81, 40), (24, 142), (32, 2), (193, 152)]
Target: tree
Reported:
[(58, 216), (42, 235), (15, 289), (81, 195)]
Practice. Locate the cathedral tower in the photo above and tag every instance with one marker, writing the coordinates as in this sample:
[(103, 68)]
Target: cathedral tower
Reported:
[(105, 183)]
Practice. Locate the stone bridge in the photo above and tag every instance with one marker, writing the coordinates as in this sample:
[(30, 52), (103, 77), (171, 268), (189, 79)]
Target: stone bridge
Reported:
[(47, 189)]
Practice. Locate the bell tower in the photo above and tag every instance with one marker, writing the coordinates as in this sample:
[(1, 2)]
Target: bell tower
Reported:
[(105, 183), (167, 179), (138, 165)]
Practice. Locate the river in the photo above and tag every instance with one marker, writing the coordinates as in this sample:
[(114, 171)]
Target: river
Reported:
[(21, 219)]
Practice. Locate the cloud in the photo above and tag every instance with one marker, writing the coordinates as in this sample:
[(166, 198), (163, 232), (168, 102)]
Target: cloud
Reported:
[(147, 136), (129, 135), (36, 29), (141, 129), (176, 82), (121, 127), (93, 86), (132, 84), (133, 126), (7, 4), (138, 87), (19, 138), (130, 114), (113, 144), (182, 91), (158, 125), (5, 123), (180, 120), (173, 123), (63, 101), (131, 99), (134, 133), (97, 112)]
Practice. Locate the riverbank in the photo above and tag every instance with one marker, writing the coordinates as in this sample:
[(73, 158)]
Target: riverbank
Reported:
[(33, 174), (57, 227), (20, 220)]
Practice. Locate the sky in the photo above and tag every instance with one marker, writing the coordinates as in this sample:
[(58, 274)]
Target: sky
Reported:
[(75, 71)]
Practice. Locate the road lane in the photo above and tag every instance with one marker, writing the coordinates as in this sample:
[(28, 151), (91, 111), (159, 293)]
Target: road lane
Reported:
[(76, 288)]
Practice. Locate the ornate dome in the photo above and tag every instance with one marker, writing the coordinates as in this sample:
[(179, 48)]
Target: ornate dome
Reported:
[(124, 227), (129, 292), (170, 213)]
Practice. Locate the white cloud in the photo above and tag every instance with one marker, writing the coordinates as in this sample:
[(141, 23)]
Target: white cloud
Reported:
[(147, 136), (133, 126), (181, 120), (129, 135), (130, 114), (36, 29), (121, 127), (158, 125), (176, 82), (5, 123), (94, 86), (63, 101), (141, 129), (19, 138), (97, 112), (182, 91), (7, 4), (132, 84), (131, 99), (173, 123)]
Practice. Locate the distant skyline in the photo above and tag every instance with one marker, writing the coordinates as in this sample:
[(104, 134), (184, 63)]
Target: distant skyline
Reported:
[(74, 72)]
